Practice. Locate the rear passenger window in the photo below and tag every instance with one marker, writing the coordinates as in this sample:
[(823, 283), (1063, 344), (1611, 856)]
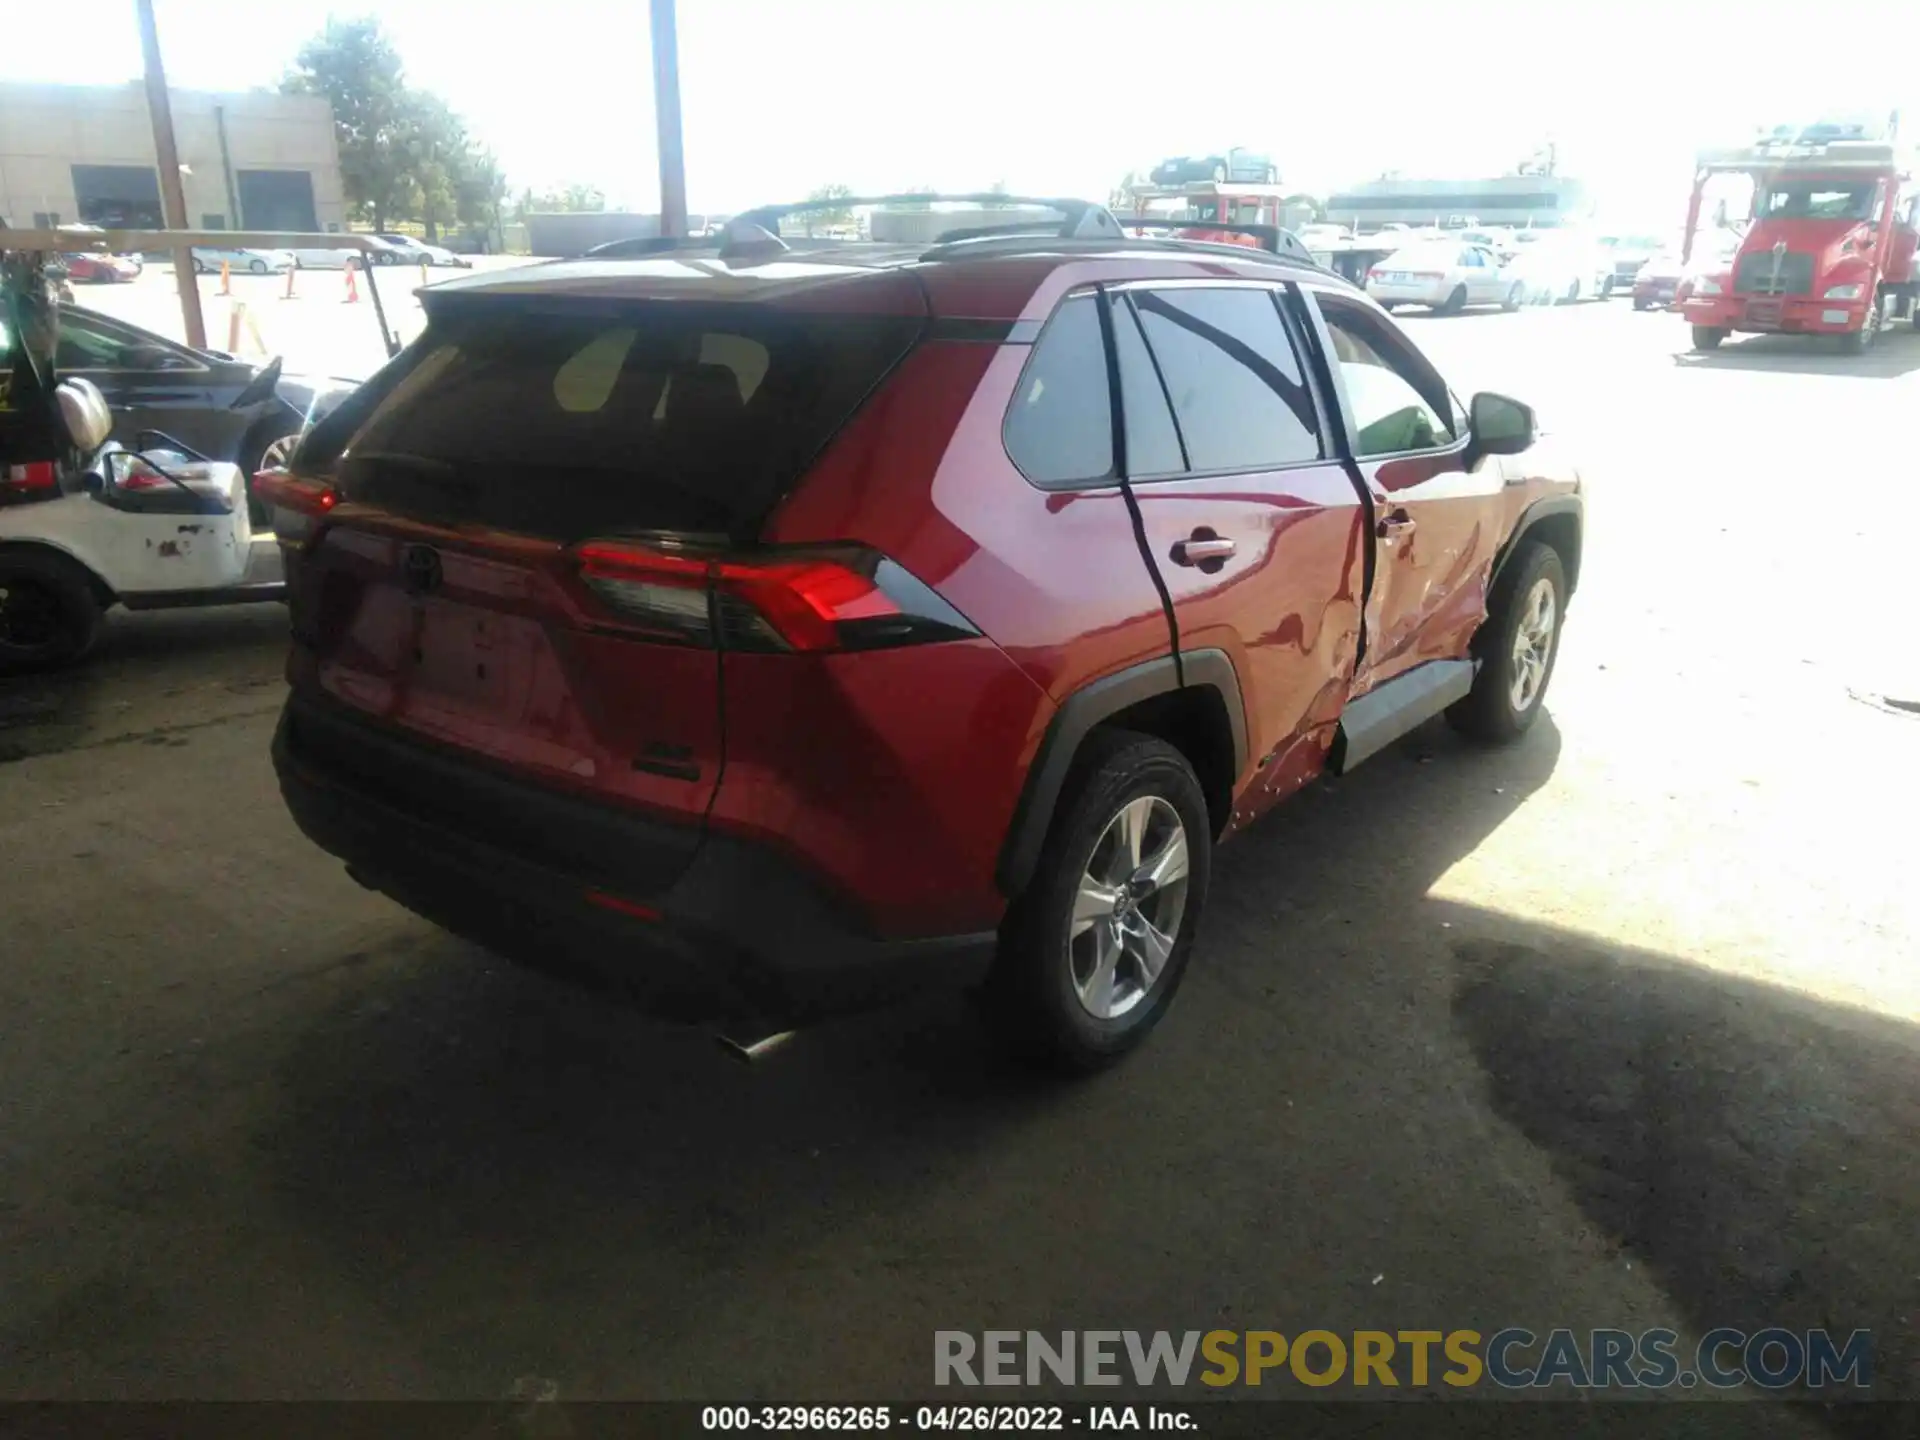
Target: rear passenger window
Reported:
[(1060, 427), (1233, 377)]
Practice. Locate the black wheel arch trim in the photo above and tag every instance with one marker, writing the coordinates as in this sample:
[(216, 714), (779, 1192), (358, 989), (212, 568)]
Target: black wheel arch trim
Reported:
[(1077, 717), (1530, 518)]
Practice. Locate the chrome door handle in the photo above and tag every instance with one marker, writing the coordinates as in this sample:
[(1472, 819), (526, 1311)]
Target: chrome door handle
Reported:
[(1199, 551)]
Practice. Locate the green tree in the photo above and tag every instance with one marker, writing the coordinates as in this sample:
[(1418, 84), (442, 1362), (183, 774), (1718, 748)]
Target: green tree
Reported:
[(828, 219), (354, 66), (480, 191)]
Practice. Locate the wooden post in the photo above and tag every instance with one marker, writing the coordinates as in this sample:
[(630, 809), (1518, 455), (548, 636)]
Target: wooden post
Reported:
[(666, 110), (166, 154)]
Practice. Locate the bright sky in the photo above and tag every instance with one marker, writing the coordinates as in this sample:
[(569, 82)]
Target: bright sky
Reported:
[(1054, 96)]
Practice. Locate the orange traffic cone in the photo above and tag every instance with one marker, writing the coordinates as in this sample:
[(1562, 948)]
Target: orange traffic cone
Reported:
[(226, 279), (292, 270), (353, 286)]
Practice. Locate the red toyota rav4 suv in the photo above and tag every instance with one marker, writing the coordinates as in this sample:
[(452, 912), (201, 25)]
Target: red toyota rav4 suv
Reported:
[(776, 630)]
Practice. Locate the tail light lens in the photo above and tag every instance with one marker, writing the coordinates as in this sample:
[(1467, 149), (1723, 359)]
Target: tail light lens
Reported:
[(38, 480), (284, 491), (814, 600)]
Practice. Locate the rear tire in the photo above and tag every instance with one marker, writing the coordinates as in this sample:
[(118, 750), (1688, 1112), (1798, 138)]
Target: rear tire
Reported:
[(1707, 337), (1454, 303), (1076, 1000), (49, 615), (258, 267), (1517, 647), (1640, 303), (1514, 298)]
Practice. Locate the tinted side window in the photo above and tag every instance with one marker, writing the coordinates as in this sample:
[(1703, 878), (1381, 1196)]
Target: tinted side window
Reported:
[(1153, 445), (1236, 384), (1060, 426), (1396, 400)]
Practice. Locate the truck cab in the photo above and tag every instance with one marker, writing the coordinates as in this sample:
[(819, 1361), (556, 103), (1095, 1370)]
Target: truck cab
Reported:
[(1828, 248)]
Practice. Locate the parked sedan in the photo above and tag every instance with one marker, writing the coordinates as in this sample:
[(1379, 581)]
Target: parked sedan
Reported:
[(207, 258), (338, 257), (1445, 277), (1560, 270), (418, 252), (224, 407), (90, 267), (1247, 167)]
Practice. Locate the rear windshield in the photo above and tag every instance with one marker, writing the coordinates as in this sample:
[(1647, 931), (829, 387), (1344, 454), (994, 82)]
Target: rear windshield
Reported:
[(570, 422)]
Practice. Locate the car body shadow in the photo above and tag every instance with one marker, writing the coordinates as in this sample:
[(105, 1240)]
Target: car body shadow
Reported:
[(1893, 355), (1751, 1144)]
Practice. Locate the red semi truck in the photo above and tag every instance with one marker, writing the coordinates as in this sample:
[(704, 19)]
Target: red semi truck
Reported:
[(1829, 248)]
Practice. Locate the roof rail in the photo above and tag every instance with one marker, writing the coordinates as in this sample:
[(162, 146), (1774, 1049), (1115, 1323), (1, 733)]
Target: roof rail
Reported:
[(1082, 219), (1024, 242)]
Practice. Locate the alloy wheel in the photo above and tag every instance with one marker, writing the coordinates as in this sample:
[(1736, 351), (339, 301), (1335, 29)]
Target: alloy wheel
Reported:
[(276, 455), (1533, 645), (1128, 909)]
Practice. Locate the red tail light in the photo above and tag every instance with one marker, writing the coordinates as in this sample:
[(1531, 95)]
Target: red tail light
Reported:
[(844, 598), (38, 480), (287, 492)]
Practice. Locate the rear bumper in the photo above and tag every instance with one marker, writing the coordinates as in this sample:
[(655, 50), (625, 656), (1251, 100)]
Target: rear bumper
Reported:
[(738, 934), (1796, 315)]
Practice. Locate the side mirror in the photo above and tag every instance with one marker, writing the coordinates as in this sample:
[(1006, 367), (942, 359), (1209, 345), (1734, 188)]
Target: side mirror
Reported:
[(1502, 426)]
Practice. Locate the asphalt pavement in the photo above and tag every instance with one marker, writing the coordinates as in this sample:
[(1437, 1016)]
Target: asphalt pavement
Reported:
[(1612, 1028)]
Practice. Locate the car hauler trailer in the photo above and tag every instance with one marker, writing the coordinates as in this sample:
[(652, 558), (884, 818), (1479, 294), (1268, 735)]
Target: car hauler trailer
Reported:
[(1829, 248)]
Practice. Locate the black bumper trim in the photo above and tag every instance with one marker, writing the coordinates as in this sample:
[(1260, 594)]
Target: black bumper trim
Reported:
[(743, 936)]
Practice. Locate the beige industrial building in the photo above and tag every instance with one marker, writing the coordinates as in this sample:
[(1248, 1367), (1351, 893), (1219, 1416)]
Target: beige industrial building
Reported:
[(254, 159)]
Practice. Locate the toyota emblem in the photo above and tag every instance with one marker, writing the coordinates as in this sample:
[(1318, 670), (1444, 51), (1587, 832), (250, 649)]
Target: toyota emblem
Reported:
[(420, 569)]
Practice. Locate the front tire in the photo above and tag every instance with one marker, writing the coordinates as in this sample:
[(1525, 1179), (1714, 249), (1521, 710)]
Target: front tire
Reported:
[(1516, 647), (258, 267), (49, 615), (1858, 342), (1707, 337), (1094, 950), (1514, 297)]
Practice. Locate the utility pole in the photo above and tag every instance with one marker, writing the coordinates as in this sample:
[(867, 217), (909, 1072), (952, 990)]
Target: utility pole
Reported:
[(666, 109), (173, 199)]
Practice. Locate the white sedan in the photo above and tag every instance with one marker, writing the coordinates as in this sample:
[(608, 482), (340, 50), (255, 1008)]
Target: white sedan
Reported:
[(381, 253), (207, 258), (1561, 271), (1444, 276), (418, 252)]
